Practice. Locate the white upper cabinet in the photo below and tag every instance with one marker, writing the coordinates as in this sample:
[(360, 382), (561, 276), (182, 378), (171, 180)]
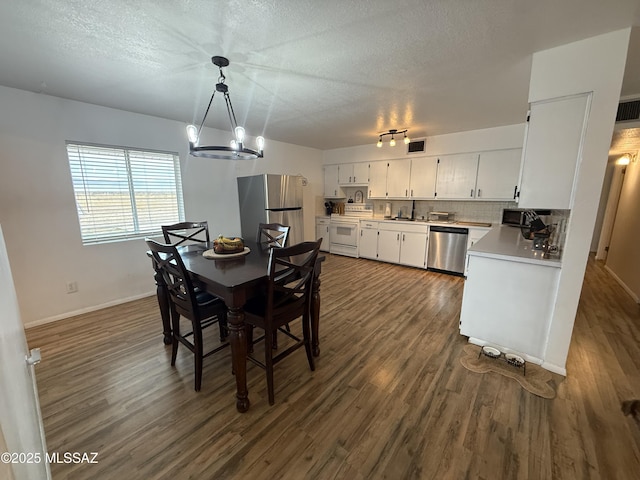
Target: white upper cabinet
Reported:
[(498, 173), (378, 179), (457, 176), (398, 177), (353, 174), (331, 186), (552, 151), (423, 177)]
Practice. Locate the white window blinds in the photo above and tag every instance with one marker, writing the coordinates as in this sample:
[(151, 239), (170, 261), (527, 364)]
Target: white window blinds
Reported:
[(124, 193)]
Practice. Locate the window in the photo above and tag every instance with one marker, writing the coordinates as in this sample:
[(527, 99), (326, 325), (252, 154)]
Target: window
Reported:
[(124, 193)]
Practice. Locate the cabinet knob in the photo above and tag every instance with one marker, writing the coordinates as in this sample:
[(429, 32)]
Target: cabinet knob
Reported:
[(515, 191), (471, 193), (479, 193)]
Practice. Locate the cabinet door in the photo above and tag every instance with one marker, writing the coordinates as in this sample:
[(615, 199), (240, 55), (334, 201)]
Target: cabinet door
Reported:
[(322, 231), (345, 173), (368, 247), (498, 173), (413, 249), (423, 177), (389, 246), (457, 176), (331, 187), (378, 179), (475, 234), (552, 148), (360, 173), (398, 176)]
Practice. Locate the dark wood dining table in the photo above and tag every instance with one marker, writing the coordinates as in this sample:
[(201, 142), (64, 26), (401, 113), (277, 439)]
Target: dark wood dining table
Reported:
[(235, 280)]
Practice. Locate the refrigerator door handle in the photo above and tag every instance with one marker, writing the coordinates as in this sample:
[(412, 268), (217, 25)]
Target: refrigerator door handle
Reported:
[(284, 209)]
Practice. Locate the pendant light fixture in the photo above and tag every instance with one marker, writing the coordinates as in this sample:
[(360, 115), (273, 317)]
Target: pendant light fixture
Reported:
[(236, 150), (393, 132)]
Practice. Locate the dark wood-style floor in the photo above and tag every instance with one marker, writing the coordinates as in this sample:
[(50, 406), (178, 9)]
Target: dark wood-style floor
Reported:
[(389, 397)]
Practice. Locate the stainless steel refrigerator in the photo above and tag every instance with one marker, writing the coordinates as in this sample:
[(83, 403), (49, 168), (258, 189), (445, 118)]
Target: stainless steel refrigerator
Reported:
[(271, 198)]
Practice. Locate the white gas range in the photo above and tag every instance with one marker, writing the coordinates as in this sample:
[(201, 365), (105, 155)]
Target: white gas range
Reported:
[(345, 229)]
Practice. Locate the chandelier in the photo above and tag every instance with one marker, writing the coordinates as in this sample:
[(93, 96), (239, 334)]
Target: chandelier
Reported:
[(393, 132), (236, 150)]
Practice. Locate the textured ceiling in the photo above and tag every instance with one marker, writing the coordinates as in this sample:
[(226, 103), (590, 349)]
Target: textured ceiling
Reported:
[(321, 74)]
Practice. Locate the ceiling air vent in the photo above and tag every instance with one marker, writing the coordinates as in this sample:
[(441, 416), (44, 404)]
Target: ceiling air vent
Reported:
[(628, 111), (416, 146)]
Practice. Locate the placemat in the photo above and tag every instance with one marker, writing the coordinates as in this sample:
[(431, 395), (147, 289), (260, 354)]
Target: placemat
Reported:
[(218, 256), (537, 380)]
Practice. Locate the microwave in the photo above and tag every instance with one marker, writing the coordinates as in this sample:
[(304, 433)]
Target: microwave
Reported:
[(516, 218)]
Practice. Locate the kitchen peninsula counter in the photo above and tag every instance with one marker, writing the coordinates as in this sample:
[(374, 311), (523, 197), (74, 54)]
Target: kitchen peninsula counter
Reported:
[(507, 243), (509, 294)]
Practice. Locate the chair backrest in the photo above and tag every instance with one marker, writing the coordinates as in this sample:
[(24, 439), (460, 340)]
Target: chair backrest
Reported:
[(179, 284), (290, 280), (272, 235), (186, 233)]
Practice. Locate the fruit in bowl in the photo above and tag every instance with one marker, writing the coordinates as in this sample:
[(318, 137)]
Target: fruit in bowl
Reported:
[(224, 245)]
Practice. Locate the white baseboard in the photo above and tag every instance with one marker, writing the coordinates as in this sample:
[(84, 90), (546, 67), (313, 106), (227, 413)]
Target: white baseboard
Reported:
[(622, 284), (554, 368), (93, 308)]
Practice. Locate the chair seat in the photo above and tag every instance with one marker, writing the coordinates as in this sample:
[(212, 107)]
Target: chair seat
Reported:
[(205, 299)]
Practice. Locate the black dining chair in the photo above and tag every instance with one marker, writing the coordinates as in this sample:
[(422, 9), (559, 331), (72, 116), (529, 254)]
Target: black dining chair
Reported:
[(287, 298), (186, 233), (191, 302), (272, 235)]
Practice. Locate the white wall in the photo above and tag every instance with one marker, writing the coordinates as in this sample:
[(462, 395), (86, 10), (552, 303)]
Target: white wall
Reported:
[(509, 136), (623, 258), (38, 212), (593, 65)]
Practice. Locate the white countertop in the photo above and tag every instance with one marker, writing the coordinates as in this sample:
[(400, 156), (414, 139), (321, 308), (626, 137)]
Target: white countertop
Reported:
[(507, 243), (420, 222)]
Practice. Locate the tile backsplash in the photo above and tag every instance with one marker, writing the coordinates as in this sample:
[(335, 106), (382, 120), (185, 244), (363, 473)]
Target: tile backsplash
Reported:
[(473, 211)]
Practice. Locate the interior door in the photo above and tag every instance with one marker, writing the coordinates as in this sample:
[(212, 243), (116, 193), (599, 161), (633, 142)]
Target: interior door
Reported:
[(21, 426)]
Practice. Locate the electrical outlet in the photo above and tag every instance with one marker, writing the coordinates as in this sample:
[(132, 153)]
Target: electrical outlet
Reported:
[(72, 287)]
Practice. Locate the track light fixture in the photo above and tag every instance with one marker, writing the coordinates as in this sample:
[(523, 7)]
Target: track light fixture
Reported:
[(393, 132), (236, 150)]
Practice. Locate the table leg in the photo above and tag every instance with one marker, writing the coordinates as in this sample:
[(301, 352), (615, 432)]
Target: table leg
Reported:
[(315, 316), (238, 340), (163, 303)]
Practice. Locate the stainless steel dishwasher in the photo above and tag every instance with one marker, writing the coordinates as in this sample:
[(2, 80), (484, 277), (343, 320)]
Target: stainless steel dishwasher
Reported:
[(447, 249)]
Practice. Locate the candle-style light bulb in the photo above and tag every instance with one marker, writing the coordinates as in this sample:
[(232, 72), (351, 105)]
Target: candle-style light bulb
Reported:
[(239, 134), (260, 142), (192, 134)]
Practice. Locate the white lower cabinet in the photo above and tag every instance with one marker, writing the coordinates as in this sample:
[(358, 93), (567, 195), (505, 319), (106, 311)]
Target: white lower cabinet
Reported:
[(394, 242), (322, 231), (413, 249), (475, 234), (368, 246), (388, 244)]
